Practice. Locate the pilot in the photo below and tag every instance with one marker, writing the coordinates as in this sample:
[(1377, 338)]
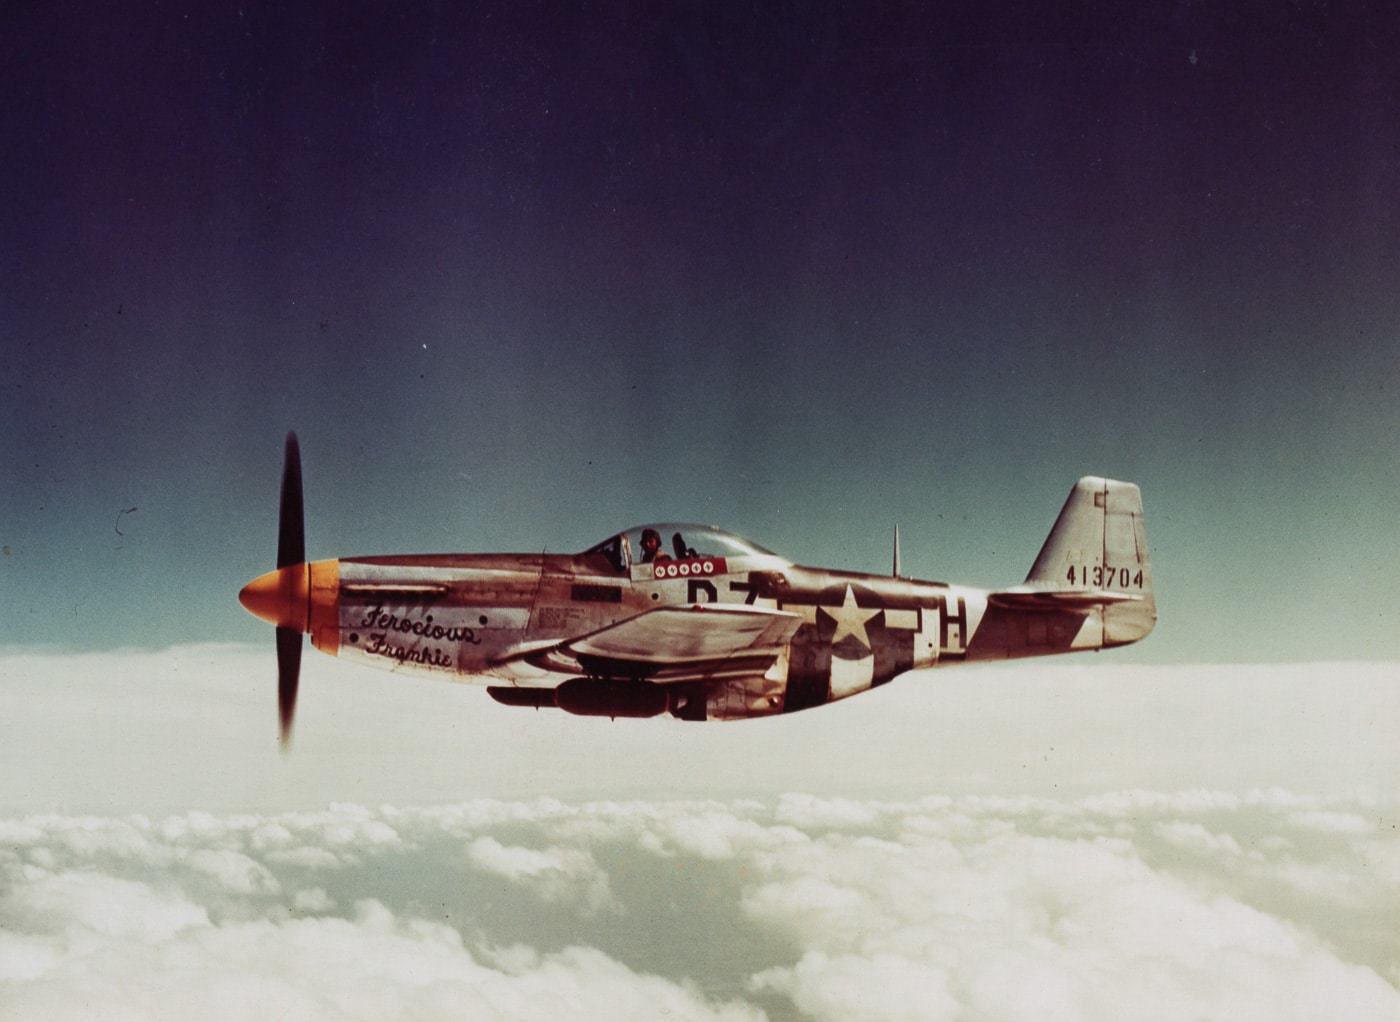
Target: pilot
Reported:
[(651, 547)]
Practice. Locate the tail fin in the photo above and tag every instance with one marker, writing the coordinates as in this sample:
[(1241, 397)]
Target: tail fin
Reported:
[(1097, 554)]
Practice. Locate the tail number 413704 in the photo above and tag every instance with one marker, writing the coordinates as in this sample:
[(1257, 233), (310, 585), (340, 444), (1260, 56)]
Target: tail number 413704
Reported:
[(1104, 575)]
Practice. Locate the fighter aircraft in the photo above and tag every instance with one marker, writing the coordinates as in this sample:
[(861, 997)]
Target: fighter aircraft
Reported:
[(692, 621)]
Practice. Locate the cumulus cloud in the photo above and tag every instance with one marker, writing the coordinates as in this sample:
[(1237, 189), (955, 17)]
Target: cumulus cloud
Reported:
[(1036, 926), (1333, 822), (568, 875), (1139, 904), (1193, 837), (77, 943)]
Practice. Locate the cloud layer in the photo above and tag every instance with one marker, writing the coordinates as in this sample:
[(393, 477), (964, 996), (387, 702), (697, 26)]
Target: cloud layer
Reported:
[(1085, 840), (159, 732), (1136, 904)]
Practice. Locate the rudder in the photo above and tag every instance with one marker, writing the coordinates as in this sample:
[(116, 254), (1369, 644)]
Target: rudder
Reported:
[(1099, 542)]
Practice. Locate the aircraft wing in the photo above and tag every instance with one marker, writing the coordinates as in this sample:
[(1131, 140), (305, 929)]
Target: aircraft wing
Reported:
[(679, 643)]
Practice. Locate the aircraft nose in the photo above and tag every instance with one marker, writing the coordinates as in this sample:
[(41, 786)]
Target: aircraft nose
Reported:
[(279, 597)]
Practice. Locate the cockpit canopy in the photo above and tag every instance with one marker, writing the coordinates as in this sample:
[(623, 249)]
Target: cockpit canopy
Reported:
[(679, 540)]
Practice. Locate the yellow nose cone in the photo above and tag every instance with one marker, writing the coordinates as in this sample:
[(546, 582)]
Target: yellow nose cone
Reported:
[(279, 597), (303, 597)]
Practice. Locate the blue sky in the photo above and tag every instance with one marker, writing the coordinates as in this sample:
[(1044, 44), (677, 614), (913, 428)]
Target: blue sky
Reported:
[(520, 280)]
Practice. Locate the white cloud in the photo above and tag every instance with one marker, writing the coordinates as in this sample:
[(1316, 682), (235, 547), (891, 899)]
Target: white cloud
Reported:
[(79, 905), (196, 726), (233, 871), (886, 987), (1193, 837), (1133, 802), (1030, 927), (805, 811), (568, 875), (584, 983), (943, 907), (309, 858), (313, 901), (1332, 822), (712, 832), (139, 953)]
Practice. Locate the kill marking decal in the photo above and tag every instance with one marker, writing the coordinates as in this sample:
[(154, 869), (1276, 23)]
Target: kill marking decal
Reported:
[(689, 568)]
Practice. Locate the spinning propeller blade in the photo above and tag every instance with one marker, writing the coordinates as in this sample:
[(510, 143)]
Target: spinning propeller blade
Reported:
[(291, 549), (269, 595), (291, 524), (296, 597), (288, 671)]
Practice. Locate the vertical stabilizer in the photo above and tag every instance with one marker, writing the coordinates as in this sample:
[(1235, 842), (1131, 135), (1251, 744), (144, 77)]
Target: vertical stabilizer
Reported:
[(1099, 544)]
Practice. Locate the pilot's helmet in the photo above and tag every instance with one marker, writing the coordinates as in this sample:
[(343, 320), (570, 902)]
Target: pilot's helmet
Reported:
[(650, 538)]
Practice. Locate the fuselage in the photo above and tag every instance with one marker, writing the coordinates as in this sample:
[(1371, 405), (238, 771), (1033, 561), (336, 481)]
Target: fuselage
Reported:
[(707, 627), (499, 619)]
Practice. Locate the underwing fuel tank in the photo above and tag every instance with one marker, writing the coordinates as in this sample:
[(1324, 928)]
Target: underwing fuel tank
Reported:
[(591, 697), (610, 697)]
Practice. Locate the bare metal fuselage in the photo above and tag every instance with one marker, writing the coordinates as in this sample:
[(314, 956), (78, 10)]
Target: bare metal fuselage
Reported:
[(724, 631)]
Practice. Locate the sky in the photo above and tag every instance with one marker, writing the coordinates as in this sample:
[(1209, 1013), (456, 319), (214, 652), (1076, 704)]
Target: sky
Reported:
[(522, 277)]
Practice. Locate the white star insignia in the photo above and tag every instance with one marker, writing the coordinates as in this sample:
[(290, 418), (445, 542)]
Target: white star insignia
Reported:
[(850, 619)]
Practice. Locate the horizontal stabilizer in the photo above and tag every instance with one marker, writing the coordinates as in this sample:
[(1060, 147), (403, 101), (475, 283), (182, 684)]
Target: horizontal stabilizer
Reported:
[(1033, 598)]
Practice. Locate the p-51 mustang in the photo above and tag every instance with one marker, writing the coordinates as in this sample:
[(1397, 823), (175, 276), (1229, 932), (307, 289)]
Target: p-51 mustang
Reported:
[(713, 628)]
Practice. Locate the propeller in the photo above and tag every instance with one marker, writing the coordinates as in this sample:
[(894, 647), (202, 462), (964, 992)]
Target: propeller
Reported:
[(291, 550), (291, 522), (289, 595)]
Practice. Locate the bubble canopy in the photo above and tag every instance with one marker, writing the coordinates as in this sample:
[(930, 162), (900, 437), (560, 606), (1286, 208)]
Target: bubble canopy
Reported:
[(679, 540)]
